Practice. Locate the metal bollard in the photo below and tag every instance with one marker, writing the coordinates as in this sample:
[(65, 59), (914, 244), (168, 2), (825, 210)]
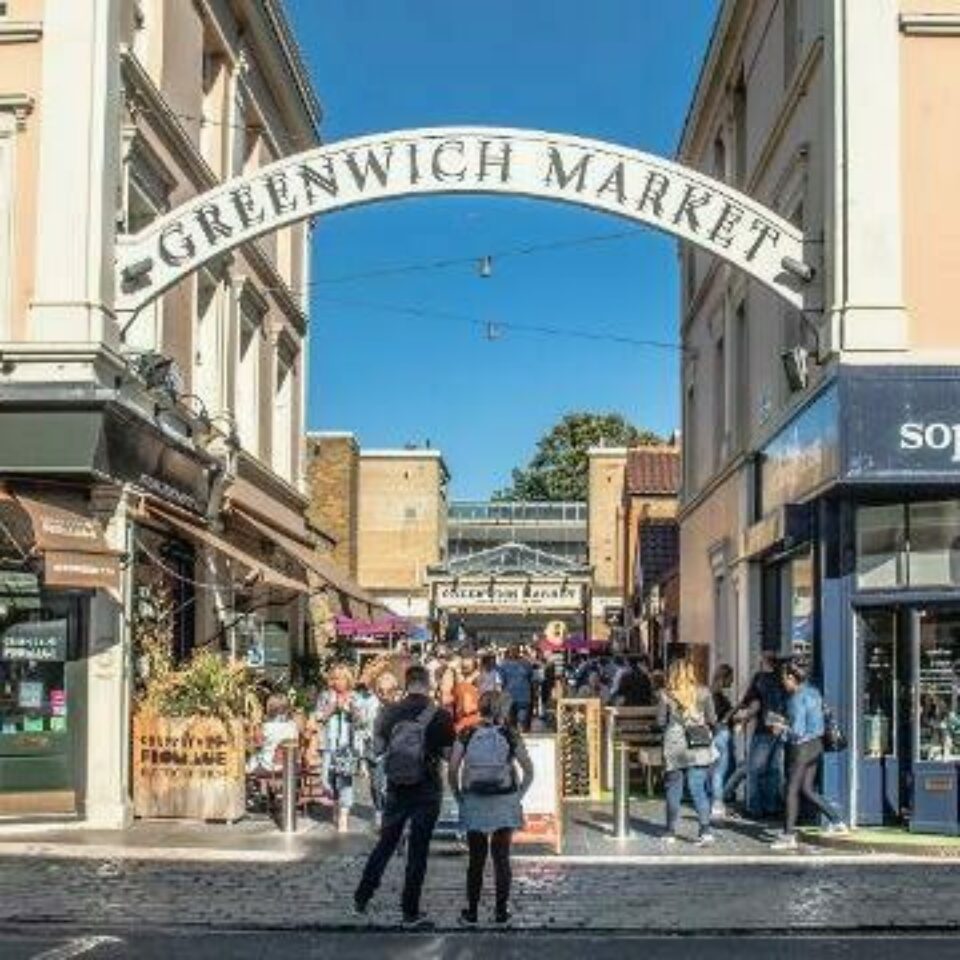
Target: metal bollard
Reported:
[(621, 791), (290, 784)]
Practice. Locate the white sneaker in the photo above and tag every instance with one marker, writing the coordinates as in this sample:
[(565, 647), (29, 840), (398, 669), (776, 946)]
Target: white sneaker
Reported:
[(705, 840), (786, 841), (838, 829), (669, 839), (718, 812)]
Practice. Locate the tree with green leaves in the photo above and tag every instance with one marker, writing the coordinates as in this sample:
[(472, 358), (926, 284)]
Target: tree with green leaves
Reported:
[(560, 466)]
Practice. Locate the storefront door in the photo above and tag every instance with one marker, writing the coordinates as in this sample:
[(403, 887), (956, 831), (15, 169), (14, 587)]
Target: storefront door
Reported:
[(909, 718)]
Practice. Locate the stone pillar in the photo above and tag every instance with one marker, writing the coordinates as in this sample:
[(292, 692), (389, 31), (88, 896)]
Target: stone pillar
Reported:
[(865, 234), (79, 177), (106, 803)]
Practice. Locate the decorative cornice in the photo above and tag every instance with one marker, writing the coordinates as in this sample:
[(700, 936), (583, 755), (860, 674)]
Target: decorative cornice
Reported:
[(19, 104), (20, 31), (930, 24)]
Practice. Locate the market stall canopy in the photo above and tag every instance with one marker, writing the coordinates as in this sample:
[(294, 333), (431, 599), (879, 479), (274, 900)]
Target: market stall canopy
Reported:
[(56, 523), (201, 535), (375, 629), (314, 562)]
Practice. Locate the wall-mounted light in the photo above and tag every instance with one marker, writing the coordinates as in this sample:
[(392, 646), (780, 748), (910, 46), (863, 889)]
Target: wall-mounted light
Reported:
[(137, 275), (797, 268)]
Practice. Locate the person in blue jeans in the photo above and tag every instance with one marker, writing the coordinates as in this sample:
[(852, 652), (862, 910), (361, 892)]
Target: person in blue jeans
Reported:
[(723, 767), (686, 715), (516, 675), (765, 704)]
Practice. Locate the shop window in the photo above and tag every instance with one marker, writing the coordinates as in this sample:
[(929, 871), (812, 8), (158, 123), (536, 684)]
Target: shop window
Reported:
[(248, 375), (282, 440), (935, 543), (877, 630), (881, 546), (939, 687)]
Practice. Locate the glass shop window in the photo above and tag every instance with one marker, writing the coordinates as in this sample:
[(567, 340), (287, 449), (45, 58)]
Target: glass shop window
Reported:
[(881, 546), (938, 686), (935, 543), (878, 650), (34, 649)]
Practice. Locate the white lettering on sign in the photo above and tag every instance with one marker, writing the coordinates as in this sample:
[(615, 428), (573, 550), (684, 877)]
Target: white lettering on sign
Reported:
[(606, 177), (931, 436), (510, 595)]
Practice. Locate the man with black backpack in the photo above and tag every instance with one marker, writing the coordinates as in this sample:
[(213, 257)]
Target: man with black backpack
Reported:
[(412, 736)]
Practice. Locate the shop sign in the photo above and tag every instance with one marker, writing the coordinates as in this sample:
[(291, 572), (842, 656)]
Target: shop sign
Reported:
[(85, 571), (511, 595), (903, 422), (41, 642)]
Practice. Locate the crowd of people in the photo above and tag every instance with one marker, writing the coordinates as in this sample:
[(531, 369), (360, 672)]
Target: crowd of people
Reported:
[(461, 719)]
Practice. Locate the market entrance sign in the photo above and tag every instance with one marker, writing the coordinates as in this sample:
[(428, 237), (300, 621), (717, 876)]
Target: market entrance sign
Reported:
[(408, 163)]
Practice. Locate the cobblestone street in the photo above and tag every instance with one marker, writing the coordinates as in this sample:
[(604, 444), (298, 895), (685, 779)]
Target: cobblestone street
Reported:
[(705, 895)]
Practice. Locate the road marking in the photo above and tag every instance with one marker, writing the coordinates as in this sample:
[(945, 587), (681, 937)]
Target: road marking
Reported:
[(76, 948)]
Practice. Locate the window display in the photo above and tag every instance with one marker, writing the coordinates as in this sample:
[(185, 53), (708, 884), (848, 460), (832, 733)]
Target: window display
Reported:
[(877, 642), (938, 688)]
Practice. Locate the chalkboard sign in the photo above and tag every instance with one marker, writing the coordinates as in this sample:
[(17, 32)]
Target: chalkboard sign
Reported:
[(41, 642)]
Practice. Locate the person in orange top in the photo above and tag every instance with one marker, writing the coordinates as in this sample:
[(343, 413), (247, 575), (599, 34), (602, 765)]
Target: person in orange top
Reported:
[(466, 696)]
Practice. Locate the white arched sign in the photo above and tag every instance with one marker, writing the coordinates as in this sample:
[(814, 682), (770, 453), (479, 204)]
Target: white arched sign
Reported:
[(407, 163)]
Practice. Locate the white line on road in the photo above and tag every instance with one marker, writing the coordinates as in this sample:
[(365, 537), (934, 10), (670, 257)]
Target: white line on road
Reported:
[(76, 948)]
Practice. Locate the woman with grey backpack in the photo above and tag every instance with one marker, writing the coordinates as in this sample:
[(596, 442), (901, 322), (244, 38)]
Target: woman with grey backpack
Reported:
[(484, 778), (687, 717)]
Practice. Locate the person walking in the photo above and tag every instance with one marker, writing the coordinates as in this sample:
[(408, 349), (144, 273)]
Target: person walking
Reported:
[(803, 733), (517, 676), (412, 736), (339, 716), (483, 777), (765, 704), (687, 717)]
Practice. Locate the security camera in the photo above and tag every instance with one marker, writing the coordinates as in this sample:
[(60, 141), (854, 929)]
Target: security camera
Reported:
[(796, 268)]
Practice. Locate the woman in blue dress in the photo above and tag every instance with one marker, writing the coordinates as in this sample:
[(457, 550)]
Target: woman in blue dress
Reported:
[(483, 773)]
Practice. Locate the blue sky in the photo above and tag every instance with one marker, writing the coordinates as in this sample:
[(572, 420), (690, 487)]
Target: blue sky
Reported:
[(619, 70)]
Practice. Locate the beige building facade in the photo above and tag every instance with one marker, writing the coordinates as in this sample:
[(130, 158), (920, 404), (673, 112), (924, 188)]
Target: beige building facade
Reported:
[(149, 460), (819, 478)]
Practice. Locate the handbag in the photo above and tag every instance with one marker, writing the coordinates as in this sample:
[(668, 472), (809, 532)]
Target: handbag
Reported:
[(834, 739), (699, 736)]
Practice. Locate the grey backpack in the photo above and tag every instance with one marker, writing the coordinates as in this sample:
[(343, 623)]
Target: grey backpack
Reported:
[(488, 762), (405, 762)]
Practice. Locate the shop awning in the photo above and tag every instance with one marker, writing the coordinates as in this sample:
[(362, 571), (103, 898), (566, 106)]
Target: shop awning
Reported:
[(68, 538), (322, 567), (199, 534)]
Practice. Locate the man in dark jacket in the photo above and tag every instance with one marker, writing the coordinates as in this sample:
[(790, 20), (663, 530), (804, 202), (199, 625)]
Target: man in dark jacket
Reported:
[(417, 802)]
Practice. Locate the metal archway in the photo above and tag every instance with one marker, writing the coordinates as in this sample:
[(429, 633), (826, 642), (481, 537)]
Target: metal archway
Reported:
[(601, 176)]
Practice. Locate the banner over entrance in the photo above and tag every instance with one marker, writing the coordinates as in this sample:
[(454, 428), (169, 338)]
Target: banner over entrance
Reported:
[(601, 176)]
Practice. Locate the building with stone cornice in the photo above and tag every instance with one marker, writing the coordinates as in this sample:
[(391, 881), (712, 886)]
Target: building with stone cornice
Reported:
[(820, 511), (148, 461)]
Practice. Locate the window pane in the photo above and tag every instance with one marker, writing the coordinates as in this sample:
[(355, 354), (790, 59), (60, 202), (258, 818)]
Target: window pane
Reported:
[(935, 543), (881, 538), (877, 638), (939, 686)]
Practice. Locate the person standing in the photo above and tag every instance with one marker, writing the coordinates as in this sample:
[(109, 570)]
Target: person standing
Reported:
[(765, 704), (483, 778), (338, 715), (466, 697), (687, 717), (803, 733), (517, 676), (723, 743), (412, 736), (387, 689)]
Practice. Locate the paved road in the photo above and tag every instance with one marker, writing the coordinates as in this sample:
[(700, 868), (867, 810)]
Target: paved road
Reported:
[(798, 894), (467, 946)]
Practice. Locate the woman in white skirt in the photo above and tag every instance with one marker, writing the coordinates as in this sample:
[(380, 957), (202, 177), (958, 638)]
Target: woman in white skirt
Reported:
[(484, 767)]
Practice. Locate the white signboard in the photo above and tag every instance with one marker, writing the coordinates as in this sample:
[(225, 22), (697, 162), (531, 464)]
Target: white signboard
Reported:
[(606, 177), (522, 595)]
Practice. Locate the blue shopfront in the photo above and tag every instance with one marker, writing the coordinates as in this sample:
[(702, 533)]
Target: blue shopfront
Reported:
[(858, 543)]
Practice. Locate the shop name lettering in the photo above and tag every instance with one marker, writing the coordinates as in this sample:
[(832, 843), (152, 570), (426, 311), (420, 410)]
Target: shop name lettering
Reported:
[(303, 186), (505, 594), (184, 753), (931, 436)]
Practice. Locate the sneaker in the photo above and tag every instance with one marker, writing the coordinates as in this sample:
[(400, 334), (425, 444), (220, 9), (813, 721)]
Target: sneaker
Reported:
[(786, 841), (669, 839), (360, 907), (838, 829), (502, 916), (419, 921), (718, 812), (468, 918), (705, 840)]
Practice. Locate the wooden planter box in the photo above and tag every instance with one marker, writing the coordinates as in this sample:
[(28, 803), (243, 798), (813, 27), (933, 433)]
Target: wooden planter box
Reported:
[(192, 768)]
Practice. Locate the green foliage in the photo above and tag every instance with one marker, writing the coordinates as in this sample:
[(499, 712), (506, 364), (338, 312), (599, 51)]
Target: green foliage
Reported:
[(559, 468)]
